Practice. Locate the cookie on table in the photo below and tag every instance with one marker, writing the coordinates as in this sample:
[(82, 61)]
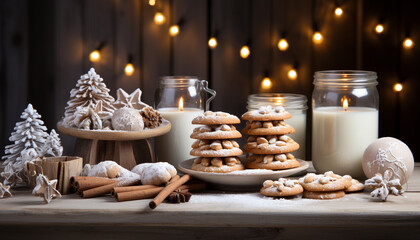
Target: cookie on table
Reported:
[(276, 127), (221, 131), (327, 182), (355, 186), (272, 162), (215, 148), (217, 164), (213, 118), (267, 113), (324, 195), (273, 144), (281, 188)]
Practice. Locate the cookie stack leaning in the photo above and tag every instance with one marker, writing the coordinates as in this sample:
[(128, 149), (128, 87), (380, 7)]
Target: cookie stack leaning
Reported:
[(268, 145), (215, 150)]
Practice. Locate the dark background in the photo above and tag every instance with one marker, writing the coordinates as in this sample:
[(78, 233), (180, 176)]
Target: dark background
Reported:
[(45, 44)]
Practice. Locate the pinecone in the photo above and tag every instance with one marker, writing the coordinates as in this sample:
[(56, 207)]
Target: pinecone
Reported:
[(151, 117)]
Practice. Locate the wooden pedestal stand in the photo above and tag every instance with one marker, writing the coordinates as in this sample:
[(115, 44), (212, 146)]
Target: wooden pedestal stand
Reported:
[(96, 146)]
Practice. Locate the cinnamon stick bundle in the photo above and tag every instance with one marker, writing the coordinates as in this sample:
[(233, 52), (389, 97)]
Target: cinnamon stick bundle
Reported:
[(98, 191), (167, 190), (116, 190), (89, 183), (153, 192)]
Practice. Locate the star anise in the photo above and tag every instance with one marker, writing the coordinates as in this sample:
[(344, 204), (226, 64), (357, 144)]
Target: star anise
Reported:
[(179, 196)]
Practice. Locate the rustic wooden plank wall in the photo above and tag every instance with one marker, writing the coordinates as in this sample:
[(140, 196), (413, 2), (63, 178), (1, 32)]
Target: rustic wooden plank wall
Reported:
[(44, 48)]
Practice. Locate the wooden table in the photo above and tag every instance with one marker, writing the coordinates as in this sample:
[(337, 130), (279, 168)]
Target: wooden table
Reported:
[(214, 214)]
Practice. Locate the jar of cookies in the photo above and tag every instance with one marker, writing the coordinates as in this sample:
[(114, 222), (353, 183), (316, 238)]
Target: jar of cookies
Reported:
[(179, 99), (295, 104), (345, 120)]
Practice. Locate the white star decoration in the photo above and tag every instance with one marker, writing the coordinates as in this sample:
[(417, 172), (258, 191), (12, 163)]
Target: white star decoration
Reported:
[(46, 188), (5, 191), (132, 100)]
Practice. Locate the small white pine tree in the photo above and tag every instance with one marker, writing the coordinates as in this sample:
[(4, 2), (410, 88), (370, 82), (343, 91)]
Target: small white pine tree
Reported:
[(29, 139), (52, 146)]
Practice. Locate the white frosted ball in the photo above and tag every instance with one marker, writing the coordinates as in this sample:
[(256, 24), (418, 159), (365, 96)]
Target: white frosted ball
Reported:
[(388, 153), (127, 119)]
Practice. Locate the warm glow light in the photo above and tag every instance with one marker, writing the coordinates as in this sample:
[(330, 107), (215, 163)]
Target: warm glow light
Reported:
[(245, 52), (317, 37), (345, 102), (174, 30), (338, 11), (379, 28), (129, 69), (398, 87), (213, 43), (266, 83), (95, 56), (408, 43), (283, 45), (181, 104), (292, 74), (152, 2), (159, 18)]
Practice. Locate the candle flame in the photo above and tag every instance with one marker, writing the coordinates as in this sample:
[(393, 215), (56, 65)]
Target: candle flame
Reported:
[(181, 104), (345, 103)]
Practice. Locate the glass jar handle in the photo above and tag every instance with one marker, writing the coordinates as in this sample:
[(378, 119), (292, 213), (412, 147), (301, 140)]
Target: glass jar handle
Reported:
[(205, 85)]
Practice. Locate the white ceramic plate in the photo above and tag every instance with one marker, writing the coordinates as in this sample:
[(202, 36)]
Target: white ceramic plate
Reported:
[(246, 180)]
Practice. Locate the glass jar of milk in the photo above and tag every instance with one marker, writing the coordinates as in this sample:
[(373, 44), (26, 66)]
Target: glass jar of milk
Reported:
[(179, 99), (295, 104), (345, 107)]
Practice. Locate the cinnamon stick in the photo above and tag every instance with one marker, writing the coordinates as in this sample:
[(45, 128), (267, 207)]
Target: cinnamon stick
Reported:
[(116, 190), (81, 185), (153, 191), (173, 179), (167, 190), (98, 191)]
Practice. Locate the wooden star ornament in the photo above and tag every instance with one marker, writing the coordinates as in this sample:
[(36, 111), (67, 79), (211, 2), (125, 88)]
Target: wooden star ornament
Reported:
[(5, 191), (46, 188), (132, 100)]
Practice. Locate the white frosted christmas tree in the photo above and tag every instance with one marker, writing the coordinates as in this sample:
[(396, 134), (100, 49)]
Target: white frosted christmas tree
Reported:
[(52, 146), (29, 139), (90, 89)]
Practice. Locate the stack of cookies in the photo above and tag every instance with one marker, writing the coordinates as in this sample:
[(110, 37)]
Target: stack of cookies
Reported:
[(328, 185), (214, 147), (268, 145)]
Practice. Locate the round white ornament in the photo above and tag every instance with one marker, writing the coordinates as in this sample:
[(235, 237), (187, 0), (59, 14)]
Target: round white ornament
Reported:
[(127, 119), (388, 153)]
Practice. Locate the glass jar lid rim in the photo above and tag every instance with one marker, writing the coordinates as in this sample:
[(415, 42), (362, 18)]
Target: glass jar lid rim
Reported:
[(179, 80), (279, 96), (345, 77)]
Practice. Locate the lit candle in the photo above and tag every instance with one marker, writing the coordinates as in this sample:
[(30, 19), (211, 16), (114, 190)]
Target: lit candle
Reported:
[(174, 147), (340, 136)]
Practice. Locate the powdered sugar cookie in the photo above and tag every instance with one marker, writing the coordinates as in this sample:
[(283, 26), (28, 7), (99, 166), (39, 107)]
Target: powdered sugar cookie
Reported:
[(216, 153), (222, 131), (217, 164), (270, 144), (277, 127), (326, 182), (324, 195), (272, 162), (215, 148), (355, 186), (281, 188), (211, 118), (155, 173), (267, 113)]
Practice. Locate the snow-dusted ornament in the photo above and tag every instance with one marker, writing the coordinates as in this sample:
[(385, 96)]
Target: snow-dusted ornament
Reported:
[(5, 191), (28, 141), (388, 154), (384, 185), (89, 118), (46, 188), (132, 100)]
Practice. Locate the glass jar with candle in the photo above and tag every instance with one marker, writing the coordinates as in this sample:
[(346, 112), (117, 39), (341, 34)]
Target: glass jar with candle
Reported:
[(345, 120), (295, 104), (179, 99)]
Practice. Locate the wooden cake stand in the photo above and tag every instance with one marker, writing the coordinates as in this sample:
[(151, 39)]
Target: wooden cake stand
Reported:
[(96, 145)]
